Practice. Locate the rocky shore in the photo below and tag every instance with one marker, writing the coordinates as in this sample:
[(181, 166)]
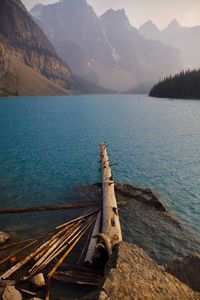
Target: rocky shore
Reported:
[(154, 261), (144, 268), (146, 222), (132, 275)]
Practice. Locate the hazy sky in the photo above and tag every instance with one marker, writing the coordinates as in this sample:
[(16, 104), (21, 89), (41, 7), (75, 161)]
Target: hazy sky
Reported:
[(187, 12)]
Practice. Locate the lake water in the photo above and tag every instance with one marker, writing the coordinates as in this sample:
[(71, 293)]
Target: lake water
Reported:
[(49, 145)]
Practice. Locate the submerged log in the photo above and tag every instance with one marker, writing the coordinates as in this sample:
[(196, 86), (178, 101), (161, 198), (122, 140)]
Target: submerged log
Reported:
[(45, 208)]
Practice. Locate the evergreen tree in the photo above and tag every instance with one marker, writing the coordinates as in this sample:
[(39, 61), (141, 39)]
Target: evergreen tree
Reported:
[(185, 85)]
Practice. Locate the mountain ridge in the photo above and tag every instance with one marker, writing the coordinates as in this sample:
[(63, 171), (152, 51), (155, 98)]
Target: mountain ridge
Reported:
[(179, 37), (82, 39), (23, 42)]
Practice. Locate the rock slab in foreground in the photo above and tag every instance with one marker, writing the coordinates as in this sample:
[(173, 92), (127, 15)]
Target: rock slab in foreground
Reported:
[(138, 277), (186, 270)]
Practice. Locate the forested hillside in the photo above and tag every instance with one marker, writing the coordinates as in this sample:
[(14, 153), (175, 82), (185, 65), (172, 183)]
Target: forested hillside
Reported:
[(185, 85)]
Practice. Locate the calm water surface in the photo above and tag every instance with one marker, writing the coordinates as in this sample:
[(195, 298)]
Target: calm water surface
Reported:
[(49, 145)]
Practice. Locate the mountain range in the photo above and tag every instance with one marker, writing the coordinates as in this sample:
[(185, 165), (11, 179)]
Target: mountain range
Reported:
[(185, 39), (106, 50), (65, 48), (29, 64)]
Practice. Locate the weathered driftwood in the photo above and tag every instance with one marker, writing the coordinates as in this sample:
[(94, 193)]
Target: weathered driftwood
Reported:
[(72, 267), (53, 251), (81, 233), (78, 278), (53, 240), (79, 218), (110, 218), (17, 252), (63, 242), (45, 208), (93, 241), (67, 236), (25, 260), (38, 237), (26, 292)]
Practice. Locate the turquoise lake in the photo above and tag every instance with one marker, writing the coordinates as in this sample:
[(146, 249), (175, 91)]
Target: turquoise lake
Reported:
[(48, 145)]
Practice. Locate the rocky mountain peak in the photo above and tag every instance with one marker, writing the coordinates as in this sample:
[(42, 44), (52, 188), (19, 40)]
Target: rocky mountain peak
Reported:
[(149, 30), (116, 18), (149, 25), (174, 24), (72, 4), (114, 15)]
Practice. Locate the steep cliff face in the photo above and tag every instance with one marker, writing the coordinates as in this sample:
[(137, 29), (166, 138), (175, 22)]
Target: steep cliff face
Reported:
[(22, 41), (144, 59)]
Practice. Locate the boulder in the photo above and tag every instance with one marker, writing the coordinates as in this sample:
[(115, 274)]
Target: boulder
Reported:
[(38, 280), (4, 237), (132, 274), (11, 293), (186, 270)]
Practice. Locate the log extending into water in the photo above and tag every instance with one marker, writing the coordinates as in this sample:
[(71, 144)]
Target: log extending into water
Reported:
[(45, 208), (111, 228)]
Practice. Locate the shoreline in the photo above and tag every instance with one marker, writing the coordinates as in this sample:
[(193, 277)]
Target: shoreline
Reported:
[(149, 230)]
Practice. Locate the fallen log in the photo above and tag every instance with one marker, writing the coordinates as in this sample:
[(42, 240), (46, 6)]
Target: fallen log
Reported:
[(4, 211), (17, 252), (61, 243), (111, 228), (26, 292), (90, 255), (78, 278), (69, 268), (79, 218), (78, 237)]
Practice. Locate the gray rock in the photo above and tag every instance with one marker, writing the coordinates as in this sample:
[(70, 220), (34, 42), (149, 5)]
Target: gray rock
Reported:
[(4, 237), (132, 275), (186, 270), (11, 293)]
